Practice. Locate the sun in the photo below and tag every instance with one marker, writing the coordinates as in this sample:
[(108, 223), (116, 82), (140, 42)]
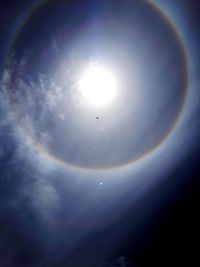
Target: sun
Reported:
[(97, 85)]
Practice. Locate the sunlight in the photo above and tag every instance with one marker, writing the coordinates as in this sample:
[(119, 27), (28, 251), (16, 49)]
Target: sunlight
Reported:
[(97, 85)]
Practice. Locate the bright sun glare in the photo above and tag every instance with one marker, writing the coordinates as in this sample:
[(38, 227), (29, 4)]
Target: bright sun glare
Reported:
[(97, 85)]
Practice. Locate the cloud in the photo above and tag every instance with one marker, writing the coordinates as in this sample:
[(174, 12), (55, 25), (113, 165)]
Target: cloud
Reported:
[(29, 200)]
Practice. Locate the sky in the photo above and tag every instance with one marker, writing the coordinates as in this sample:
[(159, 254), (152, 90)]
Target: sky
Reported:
[(87, 185)]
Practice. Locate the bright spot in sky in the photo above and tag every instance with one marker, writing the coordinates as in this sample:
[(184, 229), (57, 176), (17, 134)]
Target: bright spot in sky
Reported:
[(98, 85)]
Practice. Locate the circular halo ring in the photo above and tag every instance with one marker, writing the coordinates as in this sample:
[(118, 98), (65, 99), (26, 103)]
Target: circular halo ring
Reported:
[(39, 148)]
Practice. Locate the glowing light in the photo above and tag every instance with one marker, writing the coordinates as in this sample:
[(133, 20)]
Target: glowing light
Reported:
[(98, 85)]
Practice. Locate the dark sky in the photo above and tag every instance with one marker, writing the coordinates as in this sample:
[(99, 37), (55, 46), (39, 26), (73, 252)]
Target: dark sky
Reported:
[(53, 214)]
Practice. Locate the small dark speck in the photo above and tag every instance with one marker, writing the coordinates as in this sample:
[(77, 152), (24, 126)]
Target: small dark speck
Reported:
[(97, 118)]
